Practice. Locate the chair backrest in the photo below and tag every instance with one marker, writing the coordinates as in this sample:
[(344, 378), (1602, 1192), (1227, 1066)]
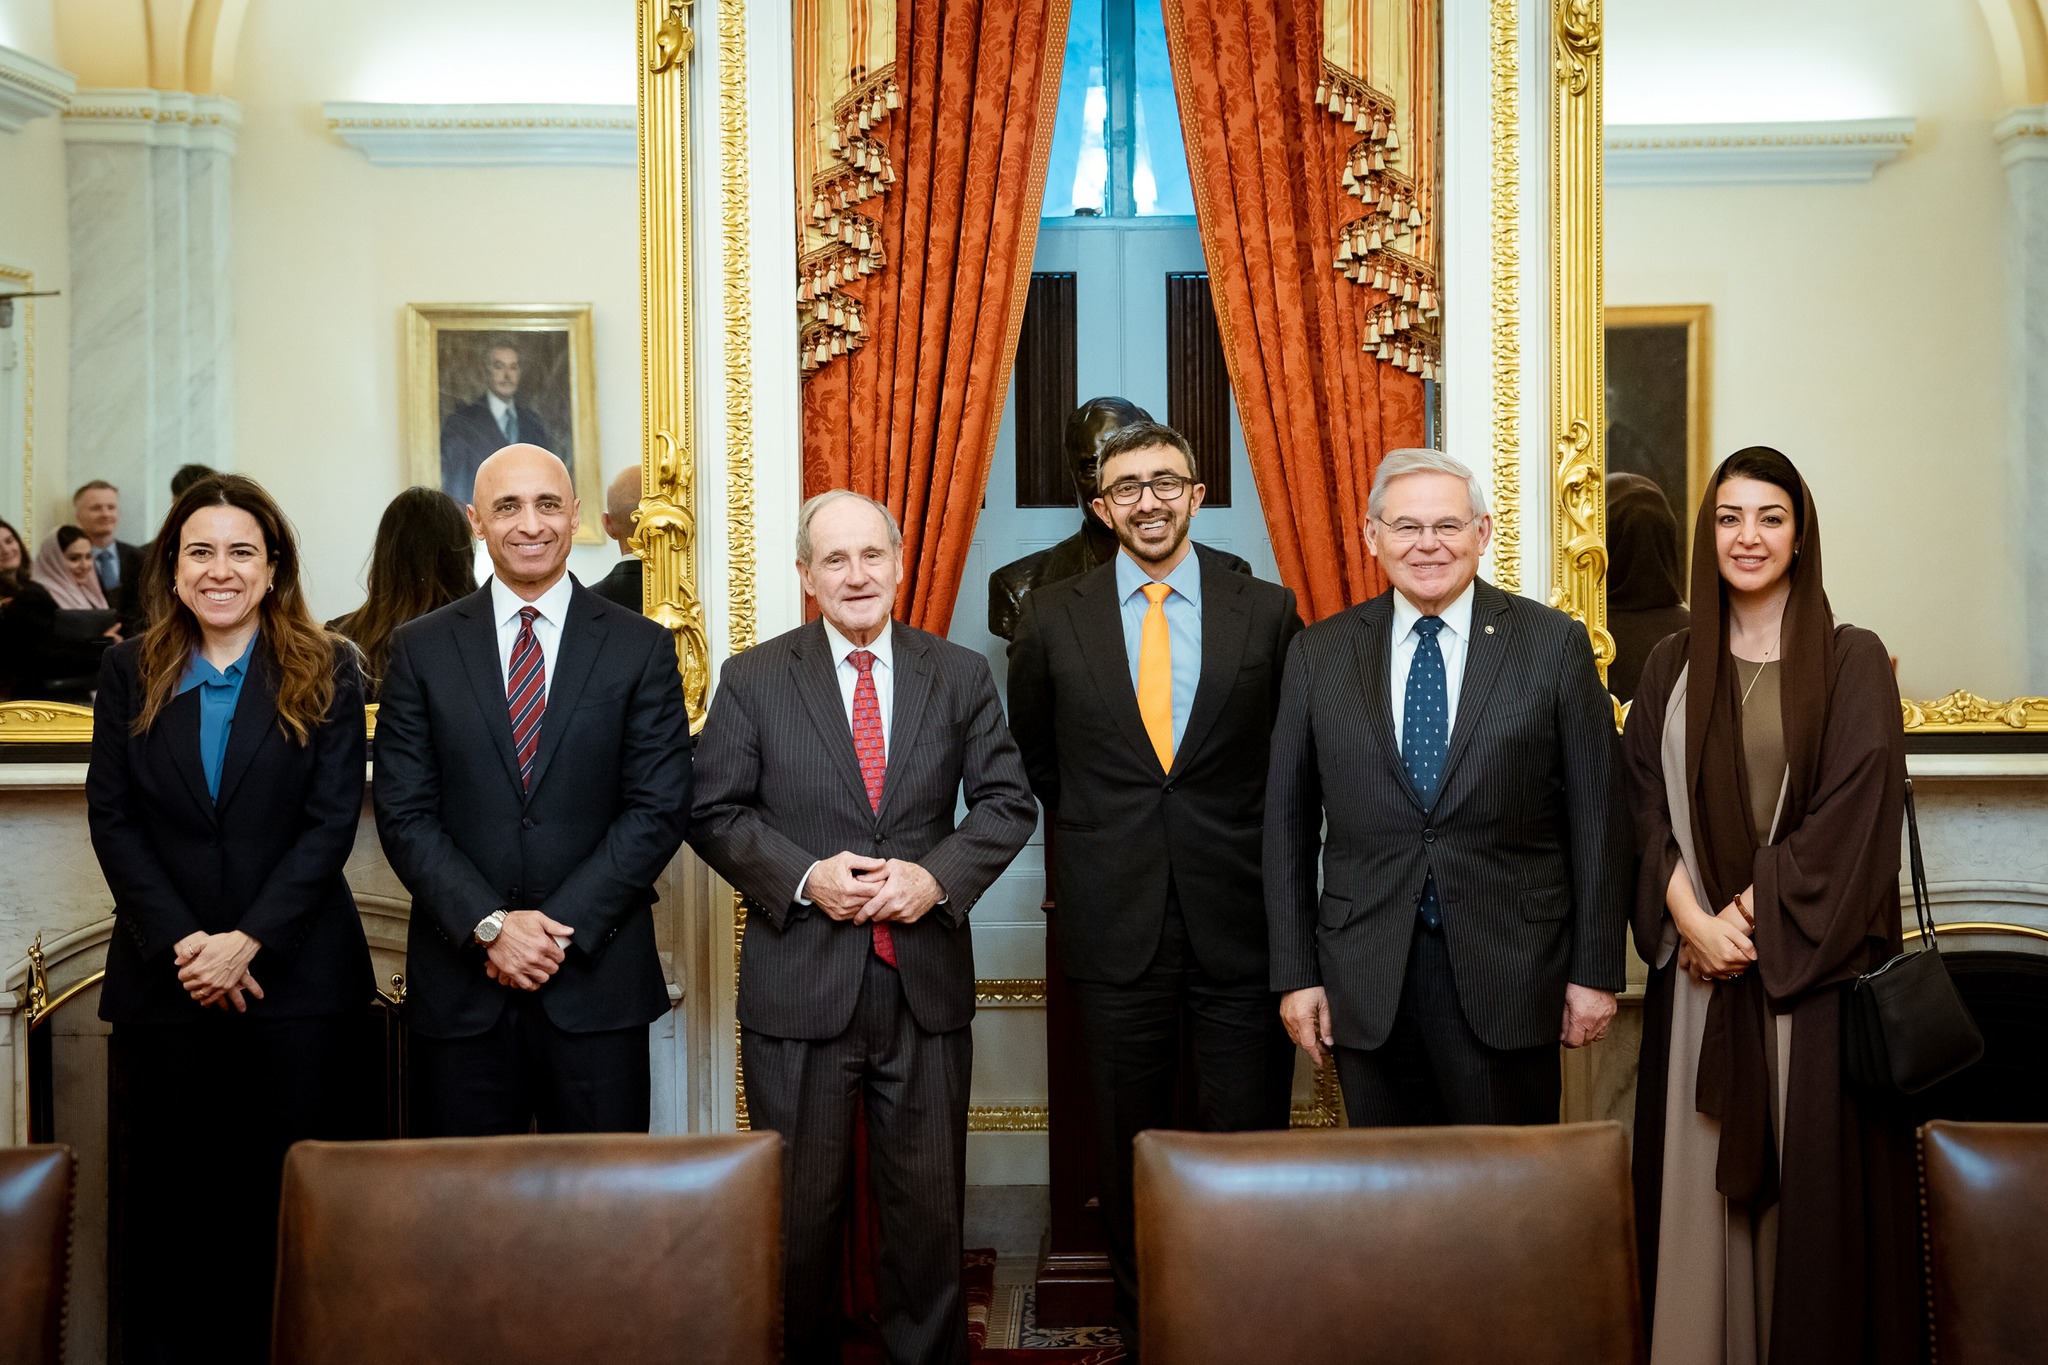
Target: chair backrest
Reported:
[(524, 1250), (1986, 1201), (37, 1187), (1442, 1244)]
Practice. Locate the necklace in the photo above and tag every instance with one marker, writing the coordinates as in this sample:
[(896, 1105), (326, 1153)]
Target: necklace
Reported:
[(1754, 679)]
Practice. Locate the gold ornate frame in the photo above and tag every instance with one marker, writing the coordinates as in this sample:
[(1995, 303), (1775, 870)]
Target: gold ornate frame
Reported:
[(1698, 321)]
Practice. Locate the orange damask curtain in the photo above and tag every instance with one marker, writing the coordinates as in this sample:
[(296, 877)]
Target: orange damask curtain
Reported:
[(911, 313), (1304, 203)]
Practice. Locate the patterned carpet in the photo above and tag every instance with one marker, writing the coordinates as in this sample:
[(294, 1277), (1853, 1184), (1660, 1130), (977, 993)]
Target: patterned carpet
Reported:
[(1002, 1326)]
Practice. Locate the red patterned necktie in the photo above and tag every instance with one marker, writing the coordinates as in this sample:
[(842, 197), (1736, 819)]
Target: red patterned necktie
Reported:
[(873, 753), (526, 693)]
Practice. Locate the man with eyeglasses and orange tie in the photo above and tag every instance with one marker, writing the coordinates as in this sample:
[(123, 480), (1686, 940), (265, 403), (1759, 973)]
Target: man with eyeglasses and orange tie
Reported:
[(1142, 694), (1446, 758)]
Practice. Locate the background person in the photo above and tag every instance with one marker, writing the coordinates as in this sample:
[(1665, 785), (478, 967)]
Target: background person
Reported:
[(833, 762), (623, 584), (37, 661), (1645, 588), (224, 790), (423, 559), (533, 780), (96, 510), (1775, 1207), (1145, 731), (1443, 958)]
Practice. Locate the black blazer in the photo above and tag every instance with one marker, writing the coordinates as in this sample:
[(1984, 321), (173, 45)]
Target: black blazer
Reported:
[(611, 788), (779, 788), (266, 858), (1528, 837), (1125, 829), (470, 435), (622, 585)]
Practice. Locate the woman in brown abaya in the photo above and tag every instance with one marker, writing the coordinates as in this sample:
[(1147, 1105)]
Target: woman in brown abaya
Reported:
[(1766, 765)]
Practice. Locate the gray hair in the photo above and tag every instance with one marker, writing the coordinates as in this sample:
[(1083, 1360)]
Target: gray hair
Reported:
[(809, 511), (1417, 461)]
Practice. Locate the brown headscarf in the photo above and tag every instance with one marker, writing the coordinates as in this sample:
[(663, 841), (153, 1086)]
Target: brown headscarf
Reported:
[(1734, 1077), (1642, 546)]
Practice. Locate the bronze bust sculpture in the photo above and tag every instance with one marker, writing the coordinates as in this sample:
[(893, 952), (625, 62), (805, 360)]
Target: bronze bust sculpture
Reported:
[(1094, 543)]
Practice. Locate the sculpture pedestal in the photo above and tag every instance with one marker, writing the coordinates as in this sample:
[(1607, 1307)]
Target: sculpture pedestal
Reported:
[(1074, 1285)]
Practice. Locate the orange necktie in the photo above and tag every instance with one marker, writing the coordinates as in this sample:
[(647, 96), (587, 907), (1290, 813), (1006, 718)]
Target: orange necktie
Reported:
[(1155, 675)]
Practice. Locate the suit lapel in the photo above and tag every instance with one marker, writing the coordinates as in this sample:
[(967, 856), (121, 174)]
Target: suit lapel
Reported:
[(255, 717), (1226, 621), (180, 729), (913, 688), (583, 637), (1098, 621), (1373, 649), (476, 640), (1484, 653), (812, 673)]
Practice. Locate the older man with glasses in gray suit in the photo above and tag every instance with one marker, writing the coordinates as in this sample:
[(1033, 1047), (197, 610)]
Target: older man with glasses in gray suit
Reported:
[(1475, 869), (829, 774)]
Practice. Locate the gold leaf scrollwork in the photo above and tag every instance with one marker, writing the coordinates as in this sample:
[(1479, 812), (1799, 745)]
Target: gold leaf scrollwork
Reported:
[(1578, 42), (36, 1001), (1581, 542), (1961, 710), (1506, 295), (672, 38)]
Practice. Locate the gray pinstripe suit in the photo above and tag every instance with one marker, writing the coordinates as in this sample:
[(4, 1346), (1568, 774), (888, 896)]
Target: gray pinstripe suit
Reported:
[(824, 1021), (1527, 837)]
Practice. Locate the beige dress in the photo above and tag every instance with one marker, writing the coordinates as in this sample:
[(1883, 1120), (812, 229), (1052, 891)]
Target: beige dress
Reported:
[(1715, 1266)]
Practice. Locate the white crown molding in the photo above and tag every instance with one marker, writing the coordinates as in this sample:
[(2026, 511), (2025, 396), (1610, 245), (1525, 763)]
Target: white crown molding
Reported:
[(153, 118), (30, 88), (2022, 135), (488, 134), (1645, 154)]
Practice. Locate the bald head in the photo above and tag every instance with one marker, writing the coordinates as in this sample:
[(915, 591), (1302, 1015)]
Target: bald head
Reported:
[(525, 512), (620, 502)]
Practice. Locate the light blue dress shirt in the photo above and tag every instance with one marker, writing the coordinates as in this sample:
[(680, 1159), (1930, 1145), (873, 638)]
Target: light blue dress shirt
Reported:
[(1183, 627), (219, 692)]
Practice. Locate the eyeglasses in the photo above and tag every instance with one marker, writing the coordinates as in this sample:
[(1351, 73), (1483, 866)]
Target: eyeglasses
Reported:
[(1405, 532), (1167, 488)]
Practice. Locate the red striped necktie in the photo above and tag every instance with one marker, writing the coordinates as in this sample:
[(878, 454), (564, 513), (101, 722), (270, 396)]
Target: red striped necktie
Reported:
[(526, 694), (872, 750)]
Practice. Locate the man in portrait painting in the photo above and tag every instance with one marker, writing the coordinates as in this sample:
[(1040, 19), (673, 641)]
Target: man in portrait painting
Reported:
[(493, 420)]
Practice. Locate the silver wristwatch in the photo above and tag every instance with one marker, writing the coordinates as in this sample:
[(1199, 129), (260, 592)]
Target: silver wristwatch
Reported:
[(488, 928)]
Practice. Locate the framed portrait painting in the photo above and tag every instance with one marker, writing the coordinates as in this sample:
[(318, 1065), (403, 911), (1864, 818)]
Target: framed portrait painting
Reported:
[(486, 375), (1657, 400)]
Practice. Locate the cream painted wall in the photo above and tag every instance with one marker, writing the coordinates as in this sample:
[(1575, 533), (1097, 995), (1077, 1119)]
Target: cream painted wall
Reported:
[(329, 249), (33, 238), (1858, 327)]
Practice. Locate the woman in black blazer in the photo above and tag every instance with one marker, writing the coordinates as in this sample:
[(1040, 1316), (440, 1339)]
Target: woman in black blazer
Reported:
[(226, 782)]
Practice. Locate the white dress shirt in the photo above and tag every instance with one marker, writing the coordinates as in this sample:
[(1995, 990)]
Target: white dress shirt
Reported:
[(1452, 640), (553, 606), (884, 671), (499, 409)]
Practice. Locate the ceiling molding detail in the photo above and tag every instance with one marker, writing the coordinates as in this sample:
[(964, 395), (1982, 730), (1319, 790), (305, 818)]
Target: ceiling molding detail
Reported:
[(1647, 154), (30, 89), (154, 118), (2022, 135), (488, 134)]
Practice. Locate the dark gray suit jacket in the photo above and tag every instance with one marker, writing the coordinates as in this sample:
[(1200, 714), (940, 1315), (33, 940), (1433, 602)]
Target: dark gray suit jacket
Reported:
[(1126, 830), (1528, 836), (779, 788)]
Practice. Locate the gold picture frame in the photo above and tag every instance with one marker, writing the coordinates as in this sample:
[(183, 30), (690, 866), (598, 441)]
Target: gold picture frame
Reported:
[(1696, 321), (452, 353)]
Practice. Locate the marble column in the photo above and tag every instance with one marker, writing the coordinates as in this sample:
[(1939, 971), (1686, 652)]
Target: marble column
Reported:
[(2023, 144), (152, 381)]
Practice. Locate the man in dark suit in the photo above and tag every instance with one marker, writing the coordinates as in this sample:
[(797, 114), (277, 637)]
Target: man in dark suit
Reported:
[(832, 764), (1458, 742), (494, 420), (533, 777), (1144, 726), (621, 500), (96, 510)]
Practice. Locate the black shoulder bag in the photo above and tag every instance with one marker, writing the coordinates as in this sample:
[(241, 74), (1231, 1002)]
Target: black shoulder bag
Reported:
[(1904, 1027)]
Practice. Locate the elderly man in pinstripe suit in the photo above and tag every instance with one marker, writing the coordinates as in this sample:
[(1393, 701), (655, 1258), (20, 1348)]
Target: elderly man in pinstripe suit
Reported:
[(829, 773), (1461, 747)]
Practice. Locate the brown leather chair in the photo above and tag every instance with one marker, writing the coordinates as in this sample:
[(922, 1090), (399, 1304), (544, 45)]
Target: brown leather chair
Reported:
[(517, 1251), (1985, 1192), (37, 1187), (1444, 1245)]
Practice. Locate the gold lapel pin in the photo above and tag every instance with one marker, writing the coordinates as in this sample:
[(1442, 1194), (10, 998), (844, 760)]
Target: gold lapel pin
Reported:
[(1489, 630)]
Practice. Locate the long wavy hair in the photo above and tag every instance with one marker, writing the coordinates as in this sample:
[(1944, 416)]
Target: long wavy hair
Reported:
[(425, 558), (12, 579), (299, 647)]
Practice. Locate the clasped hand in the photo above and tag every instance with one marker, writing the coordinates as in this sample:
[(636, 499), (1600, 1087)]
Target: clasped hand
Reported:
[(1718, 947), (214, 968), (528, 951), (849, 887)]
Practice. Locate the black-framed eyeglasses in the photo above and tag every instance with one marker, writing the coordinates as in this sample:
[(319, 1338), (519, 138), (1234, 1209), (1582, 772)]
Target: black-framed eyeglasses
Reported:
[(1167, 488), (1406, 532)]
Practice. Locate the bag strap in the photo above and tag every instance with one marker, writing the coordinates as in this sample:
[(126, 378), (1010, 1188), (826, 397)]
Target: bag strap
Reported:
[(1922, 915)]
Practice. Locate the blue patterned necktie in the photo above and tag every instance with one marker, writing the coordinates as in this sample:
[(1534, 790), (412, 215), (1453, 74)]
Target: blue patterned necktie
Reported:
[(1425, 734), (510, 426)]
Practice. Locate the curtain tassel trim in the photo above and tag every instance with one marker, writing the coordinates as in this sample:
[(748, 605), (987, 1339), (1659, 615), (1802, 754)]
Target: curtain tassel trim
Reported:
[(1402, 329), (845, 243)]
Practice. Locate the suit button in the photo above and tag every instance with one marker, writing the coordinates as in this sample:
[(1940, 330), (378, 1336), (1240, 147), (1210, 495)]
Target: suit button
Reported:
[(1429, 836), (527, 822)]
